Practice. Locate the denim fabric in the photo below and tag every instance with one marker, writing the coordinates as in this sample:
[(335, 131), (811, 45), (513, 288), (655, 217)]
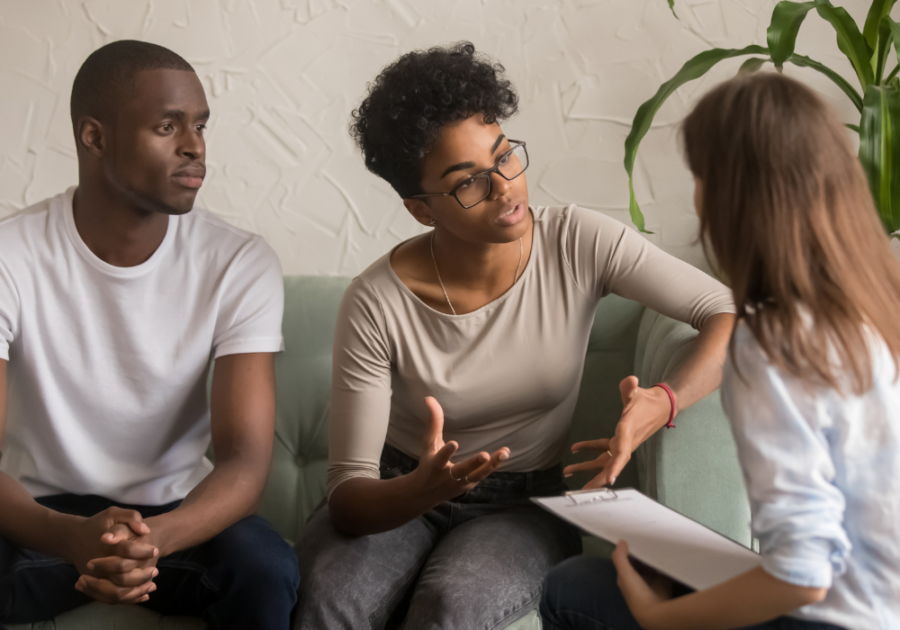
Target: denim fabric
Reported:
[(582, 594), (246, 577), (473, 563)]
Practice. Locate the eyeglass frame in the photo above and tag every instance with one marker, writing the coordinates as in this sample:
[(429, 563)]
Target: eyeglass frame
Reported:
[(494, 169)]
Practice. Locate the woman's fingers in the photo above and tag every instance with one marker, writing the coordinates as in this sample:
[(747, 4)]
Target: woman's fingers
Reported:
[(627, 388), (617, 465), (433, 437), (593, 464), (465, 470), (607, 476), (620, 558), (635, 590), (591, 445), (480, 473), (442, 457)]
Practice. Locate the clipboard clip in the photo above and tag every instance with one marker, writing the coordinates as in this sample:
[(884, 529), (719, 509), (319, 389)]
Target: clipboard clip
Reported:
[(581, 497)]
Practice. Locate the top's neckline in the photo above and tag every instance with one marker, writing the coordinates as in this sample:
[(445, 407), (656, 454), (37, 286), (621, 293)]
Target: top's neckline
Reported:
[(67, 209), (535, 251)]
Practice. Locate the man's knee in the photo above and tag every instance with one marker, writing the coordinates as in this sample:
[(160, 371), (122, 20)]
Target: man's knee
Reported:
[(260, 558)]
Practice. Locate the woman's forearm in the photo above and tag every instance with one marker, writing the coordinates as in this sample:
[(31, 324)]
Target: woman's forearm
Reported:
[(361, 506), (751, 598), (701, 371)]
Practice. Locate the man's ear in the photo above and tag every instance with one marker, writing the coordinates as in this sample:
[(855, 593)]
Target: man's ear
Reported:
[(91, 136), (420, 211)]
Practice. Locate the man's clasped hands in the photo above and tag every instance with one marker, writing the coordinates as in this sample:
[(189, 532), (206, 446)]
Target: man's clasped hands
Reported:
[(116, 553)]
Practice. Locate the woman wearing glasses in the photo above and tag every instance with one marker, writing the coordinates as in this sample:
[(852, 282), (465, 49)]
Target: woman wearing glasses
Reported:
[(460, 352)]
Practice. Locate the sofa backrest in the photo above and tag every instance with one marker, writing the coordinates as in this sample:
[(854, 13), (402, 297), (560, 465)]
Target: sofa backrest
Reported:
[(296, 483)]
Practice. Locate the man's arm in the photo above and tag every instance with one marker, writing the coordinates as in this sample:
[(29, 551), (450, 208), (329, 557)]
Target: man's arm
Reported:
[(22, 520), (242, 407), (76, 539)]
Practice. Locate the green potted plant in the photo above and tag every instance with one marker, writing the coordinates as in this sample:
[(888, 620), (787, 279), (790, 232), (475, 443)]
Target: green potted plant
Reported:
[(877, 100)]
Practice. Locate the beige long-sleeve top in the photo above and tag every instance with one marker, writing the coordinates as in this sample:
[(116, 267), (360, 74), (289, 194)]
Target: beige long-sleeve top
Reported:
[(508, 373)]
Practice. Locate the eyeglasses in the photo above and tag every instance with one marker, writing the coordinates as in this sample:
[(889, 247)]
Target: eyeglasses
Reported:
[(477, 188)]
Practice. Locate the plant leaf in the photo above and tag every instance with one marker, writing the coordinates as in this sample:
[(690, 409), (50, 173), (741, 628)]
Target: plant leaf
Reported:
[(787, 17), (878, 10), (694, 68), (895, 31), (672, 8), (885, 37), (752, 65), (841, 82), (849, 40), (879, 151), (852, 127)]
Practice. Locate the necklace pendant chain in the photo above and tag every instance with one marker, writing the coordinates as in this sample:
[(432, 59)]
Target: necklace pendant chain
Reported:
[(441, 282)]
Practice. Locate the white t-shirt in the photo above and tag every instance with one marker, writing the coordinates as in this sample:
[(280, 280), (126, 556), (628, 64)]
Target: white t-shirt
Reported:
[(108, 365)]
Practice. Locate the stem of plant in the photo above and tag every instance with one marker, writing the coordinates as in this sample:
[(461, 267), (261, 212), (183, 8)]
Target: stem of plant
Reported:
[(891, 75)]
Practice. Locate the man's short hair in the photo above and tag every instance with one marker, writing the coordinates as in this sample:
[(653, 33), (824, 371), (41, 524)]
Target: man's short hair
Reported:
[(106, 78)]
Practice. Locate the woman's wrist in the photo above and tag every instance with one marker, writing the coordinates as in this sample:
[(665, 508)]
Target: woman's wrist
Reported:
[(420, 491), (670, 403)]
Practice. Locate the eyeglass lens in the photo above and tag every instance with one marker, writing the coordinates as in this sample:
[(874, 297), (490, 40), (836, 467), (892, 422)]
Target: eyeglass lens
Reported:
[(478, 188)]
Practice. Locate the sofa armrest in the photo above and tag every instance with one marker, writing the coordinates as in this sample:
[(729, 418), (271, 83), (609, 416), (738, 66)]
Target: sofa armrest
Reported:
[(693, 468)]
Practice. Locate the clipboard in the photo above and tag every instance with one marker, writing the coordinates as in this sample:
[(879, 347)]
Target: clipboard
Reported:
[(661, 538)]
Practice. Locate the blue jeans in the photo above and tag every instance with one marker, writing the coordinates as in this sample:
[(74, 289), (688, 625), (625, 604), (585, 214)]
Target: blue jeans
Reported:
[(582, 594), (473, 563), (246, 577)]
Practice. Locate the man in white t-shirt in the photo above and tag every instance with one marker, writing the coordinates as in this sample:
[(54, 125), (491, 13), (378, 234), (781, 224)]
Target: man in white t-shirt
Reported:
[(115, 298)]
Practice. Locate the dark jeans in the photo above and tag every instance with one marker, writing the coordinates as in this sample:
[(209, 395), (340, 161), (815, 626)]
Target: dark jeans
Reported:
[(473, 563), (582, 594), (246, 577)]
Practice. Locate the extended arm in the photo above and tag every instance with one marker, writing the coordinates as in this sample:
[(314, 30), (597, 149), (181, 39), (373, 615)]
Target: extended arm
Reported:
[(605, 257), (242, 407), (751, 598)]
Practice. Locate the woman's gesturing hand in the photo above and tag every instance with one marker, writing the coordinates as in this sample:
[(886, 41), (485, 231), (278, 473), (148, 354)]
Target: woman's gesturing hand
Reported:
[(439, 477), (645, 412)]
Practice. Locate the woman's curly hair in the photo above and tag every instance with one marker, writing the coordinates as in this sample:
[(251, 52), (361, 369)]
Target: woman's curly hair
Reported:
[(412, 99)]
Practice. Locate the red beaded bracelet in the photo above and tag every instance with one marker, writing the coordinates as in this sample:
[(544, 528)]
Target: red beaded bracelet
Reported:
[(669, 424)]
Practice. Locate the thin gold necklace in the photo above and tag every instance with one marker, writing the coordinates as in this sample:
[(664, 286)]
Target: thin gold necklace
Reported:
[(437, 271)]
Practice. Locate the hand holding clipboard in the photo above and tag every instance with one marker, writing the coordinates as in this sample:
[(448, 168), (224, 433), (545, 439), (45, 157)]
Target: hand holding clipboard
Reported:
[(659, 537)]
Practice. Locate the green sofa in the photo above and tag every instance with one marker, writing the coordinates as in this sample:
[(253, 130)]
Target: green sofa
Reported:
[(692, 469)]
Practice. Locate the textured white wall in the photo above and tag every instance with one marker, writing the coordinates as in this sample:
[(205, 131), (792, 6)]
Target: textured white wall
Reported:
[(283, 75)]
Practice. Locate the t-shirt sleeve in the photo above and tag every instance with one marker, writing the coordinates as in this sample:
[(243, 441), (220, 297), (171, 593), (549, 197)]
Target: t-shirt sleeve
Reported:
[(605, 256), (249, 318), (788, 469), (9, 312), (361, 388)]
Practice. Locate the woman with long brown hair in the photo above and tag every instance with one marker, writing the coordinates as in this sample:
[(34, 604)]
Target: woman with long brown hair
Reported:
[(811, 386)]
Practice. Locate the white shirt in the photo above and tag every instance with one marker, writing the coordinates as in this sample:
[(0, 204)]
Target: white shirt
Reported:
[(823, 475), (108, 365)]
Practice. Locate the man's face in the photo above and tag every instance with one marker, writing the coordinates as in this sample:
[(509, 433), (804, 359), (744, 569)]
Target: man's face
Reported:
[(157, 154)]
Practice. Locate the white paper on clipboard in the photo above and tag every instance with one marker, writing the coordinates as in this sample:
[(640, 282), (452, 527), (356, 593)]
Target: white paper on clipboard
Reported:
[(659, 537)]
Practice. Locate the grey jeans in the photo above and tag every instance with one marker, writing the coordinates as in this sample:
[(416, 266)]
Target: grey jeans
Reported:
[(473, 563)]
